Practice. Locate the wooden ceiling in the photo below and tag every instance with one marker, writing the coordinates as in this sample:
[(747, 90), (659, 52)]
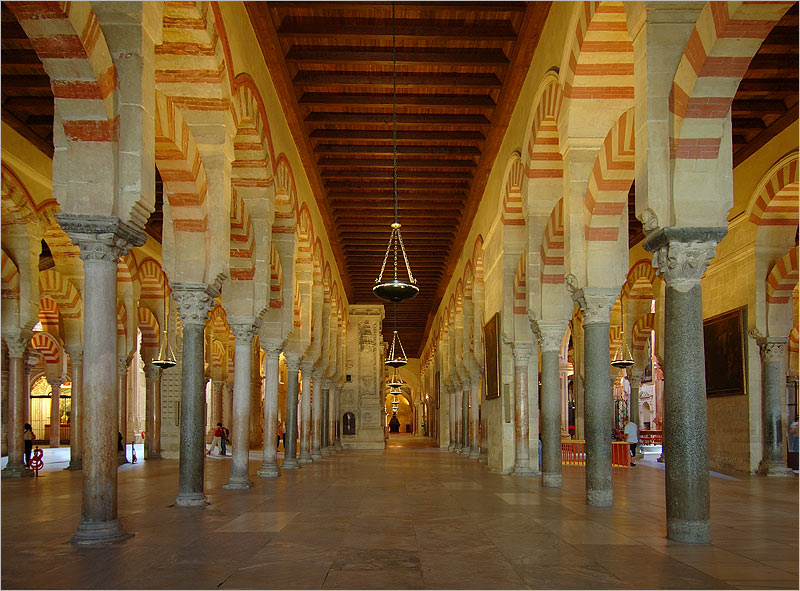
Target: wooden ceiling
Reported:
[(460, 66)]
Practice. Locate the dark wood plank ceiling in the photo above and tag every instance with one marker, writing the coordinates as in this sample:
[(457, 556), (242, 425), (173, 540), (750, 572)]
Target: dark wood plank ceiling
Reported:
[(460, 66)]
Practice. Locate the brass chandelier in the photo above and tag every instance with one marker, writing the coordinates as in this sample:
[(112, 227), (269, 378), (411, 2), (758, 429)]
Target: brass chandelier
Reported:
[(166, 358), (395, 289), (623, 358)]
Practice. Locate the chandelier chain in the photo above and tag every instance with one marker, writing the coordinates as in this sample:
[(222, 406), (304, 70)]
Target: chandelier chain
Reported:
[(394, 123)]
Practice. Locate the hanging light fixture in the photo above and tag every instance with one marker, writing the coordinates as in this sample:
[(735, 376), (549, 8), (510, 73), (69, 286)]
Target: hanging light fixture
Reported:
[(395, 382), (395, 289), (397, 355), (623, 358), (166, 358)]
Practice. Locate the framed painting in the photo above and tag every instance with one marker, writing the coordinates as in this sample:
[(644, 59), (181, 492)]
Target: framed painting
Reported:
[(723, 340), (436, 381), (491, 352)]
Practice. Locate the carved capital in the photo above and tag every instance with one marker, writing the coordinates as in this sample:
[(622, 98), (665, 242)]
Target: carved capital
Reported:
[(152, 373), (293, 363), (56, 383), (243, 330), (551, 333), (681, 255), (272, 353), (522, 354), (122, 364), (194, 301), (17, 344), (100, 238), (595, 303), (772, 349), (75, 353)]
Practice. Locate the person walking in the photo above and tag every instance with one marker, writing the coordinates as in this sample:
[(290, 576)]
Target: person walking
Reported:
[(224, 440), (217, 441), (632, 437), (28, 436)]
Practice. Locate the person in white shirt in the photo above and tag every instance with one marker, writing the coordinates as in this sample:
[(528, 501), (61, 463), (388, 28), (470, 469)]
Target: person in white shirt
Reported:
[(632, 437)]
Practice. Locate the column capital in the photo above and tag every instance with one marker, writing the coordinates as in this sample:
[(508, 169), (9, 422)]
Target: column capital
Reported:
[(56, 382), (772, 349), (100, 238), (681, 254), (122, 364), (151, 372), (551, 333), (292, 362), (194, 301), (522, 353), (272, 353), (17, 343), (595, 303), (75, 353), (244, 329)]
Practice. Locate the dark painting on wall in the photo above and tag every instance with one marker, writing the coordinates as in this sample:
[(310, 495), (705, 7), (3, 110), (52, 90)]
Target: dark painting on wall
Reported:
[(436, 388), (491, 350), (647, 374), (723, 340)]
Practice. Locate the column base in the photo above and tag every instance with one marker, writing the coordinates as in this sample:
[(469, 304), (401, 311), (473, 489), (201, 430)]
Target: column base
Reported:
[(74, 466), (154, 457), (92, 533), (290, 464), (774, 469), (450, 447), (268, 471), (474, 455), (16, 471), (551, 480), (122, 458), (465, 450), (302, 460), (524, 472), (193, 499), (325, 452), (316, 456), (689, 531), (238, 484), (600, 498), (338, 446)]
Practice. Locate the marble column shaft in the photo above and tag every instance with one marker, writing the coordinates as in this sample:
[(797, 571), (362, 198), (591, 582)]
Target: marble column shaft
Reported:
[(16, 399), (773, 388), (217, 388), (474, 426), (76, 419), (316, 418), (292, 386), (324, 446), (244, 332), (635, 380), (522, 457), (550, 334), (55, 411), (102, 241), (596, 302), (305, 417), (337, 424), (194, 301), (152, 427), (269, 465), (452, 406), (465, 394), (122, 406), (681, 255)]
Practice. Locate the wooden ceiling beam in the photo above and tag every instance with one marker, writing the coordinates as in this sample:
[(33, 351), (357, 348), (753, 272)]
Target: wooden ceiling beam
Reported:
[(388, 173), (428, 8), (401, 149), (328, 162), (407, 56), (20, 57), (402, 119), (764, 107), (402, 135), (403, 29), (416, 184), (40, 105), (305, 78), (427, 100)]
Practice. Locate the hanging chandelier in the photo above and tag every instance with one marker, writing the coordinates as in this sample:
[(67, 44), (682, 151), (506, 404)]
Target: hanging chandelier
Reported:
[(395, 289), (166, 358), (397, 356), (623, 358), (395, 382)]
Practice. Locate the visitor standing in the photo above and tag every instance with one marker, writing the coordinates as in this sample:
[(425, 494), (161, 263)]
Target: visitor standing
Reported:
[(632, 437), (28, 437), (224, 440), (217, 441)]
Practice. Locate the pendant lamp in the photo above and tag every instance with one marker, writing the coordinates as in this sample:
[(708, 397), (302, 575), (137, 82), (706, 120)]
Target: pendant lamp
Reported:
[(623, 358), (397, 355), (166, 358), (395, 289), (395, 382)]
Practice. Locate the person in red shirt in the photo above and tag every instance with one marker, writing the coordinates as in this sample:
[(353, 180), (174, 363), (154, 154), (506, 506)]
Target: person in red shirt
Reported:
[(217, 441)]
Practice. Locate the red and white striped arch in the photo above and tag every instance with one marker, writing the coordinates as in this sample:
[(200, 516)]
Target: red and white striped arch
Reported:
[(639, 282), (543, 146), (610, 182), (127, 269), (782, 278), (794, 351), (242, 260), (469, 279), (552, 249), (520, 287), (318, 261), (641, 331), (276, 278), (477, 258), (62, 291), (122, 320), (724, 40), (49, 347), (253, 151), (152, 280), (48, 315), (326, 282), (285, 197), (10, 277), (148, 326), (297, 306), (18, 207), (776, 204), (67, 38), (513, 214)]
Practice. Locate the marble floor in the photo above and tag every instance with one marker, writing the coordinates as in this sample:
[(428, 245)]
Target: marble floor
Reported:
[(410, 517)]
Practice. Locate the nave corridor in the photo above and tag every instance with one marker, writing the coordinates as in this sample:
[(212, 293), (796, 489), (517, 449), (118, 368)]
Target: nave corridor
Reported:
[(410, 517)]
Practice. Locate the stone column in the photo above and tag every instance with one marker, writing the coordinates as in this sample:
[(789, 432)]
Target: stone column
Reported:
[(255, 430), (30, 360), (227, 404), (122, 407), (563, 376), (244, 331), (452, 405), (316, 418), (635, 380), (269, 465), (773, 391), (550, 335), (194, 301), (337, 424), (465, 394), (324, 448), (681, 256), (4, 406), (290, 454), (16, 399), (595, 303), (305, 417), (522, 459), (55, 411), (102, 240), (75, 353), (152, 426), (474, 426), (217, 388)]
